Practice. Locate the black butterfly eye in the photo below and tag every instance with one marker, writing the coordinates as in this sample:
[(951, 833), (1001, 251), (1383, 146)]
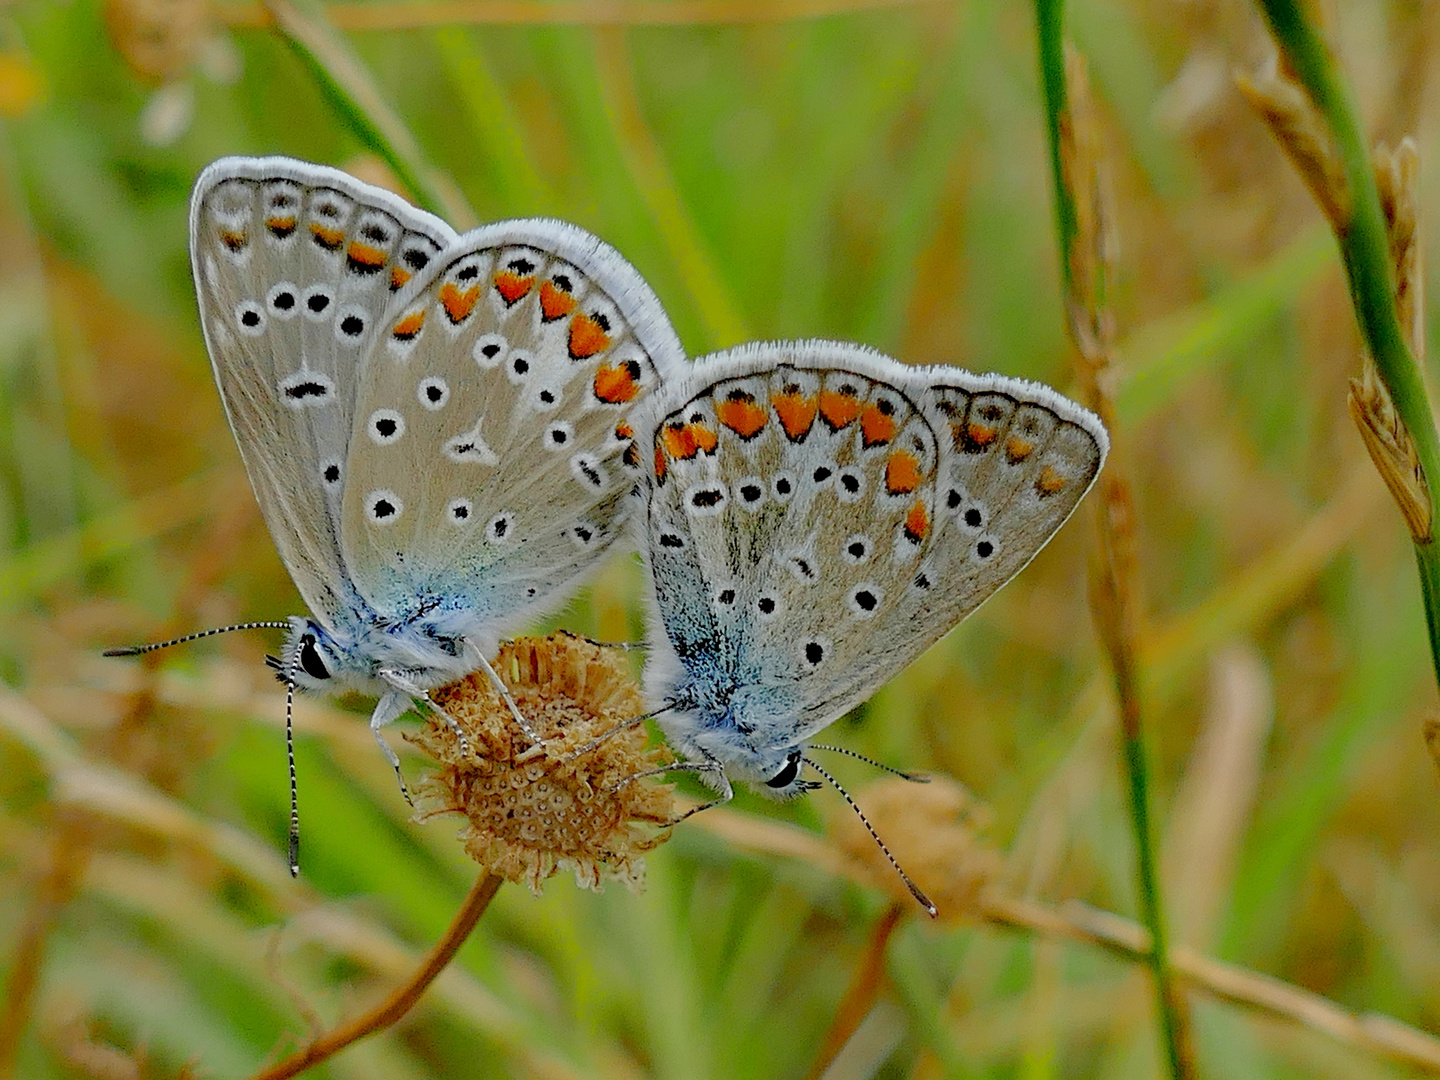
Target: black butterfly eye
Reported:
[(788, 772), (310, 659)]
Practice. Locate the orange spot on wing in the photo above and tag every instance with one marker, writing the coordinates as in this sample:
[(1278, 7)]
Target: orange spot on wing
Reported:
[(741, 414), (877, 427), (511, 286), (234, 239), (458, 304), (917, 522), (618, 383), (838, 410), (902, 473), (410, 325), (980, 434), (365, 257), (659, 463), (1018, 449), (705, 438), (328, 238), (1050, 482), (685, 441), (679, 442), (398, 277), (280, 226), (587, 336), (554, 302), (796, 413), (624, 431)]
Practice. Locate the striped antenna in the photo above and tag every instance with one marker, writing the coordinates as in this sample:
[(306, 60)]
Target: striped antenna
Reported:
[(914, 778), (294, 847), (914, 889), (137, 650)]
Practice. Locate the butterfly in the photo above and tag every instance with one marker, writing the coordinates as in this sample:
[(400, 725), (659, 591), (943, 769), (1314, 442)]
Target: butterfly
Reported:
[(436, 426), (816, 515)]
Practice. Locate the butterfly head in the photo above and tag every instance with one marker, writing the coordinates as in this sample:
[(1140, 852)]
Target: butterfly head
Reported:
[(312, 658), (787, 783)]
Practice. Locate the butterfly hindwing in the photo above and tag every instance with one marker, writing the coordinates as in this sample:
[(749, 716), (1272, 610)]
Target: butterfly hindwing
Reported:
[(1019, 457), (790, 510), (294, 266), (492, 431)]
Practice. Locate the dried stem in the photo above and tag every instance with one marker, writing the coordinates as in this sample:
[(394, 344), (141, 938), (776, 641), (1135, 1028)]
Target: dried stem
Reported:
[(1083, 221), (400, 1000), (68, 857), (1374, 1033), (861, 995)]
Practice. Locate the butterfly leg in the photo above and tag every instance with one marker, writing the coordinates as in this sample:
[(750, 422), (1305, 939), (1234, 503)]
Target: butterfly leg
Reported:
[(391, 706), (450, 722), (510, 702), (604, 737), (707, 765), (402, 682)]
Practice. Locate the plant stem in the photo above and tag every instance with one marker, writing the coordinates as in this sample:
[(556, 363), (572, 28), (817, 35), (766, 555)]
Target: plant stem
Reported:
[(1364, 248), (353, 92), (400, 1000), (1079, 201)]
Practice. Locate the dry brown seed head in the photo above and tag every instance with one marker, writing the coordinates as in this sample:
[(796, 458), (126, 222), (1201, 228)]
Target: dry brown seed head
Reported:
[(1391, 449), (934, 831), (1397, 176), (1302, 133), (160, 39), (528, 811)]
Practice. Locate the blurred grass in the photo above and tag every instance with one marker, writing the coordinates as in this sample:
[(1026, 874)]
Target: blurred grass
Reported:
[(875, 175)]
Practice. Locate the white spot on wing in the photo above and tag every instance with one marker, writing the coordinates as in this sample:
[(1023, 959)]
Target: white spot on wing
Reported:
[(470, 449)]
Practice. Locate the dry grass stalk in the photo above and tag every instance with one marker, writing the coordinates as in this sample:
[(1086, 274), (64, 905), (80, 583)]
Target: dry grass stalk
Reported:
[(1092, 253), (863, 992), (530, 812), (1000, 907), (1302, 133), (88, 1055), (1115, 594)]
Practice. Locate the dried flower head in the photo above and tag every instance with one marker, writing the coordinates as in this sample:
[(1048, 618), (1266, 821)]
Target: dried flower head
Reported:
[(160, 39), (935, 832), (529, 810)]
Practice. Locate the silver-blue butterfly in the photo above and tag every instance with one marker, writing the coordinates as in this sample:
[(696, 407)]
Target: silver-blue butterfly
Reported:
[(436, 426), (816, 515)]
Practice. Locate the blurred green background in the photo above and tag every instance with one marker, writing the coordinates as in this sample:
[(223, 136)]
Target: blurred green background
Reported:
[(876, 173)]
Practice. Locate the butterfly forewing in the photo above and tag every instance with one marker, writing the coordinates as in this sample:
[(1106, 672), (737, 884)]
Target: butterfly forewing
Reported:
[(294, 266), (493, 429)]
